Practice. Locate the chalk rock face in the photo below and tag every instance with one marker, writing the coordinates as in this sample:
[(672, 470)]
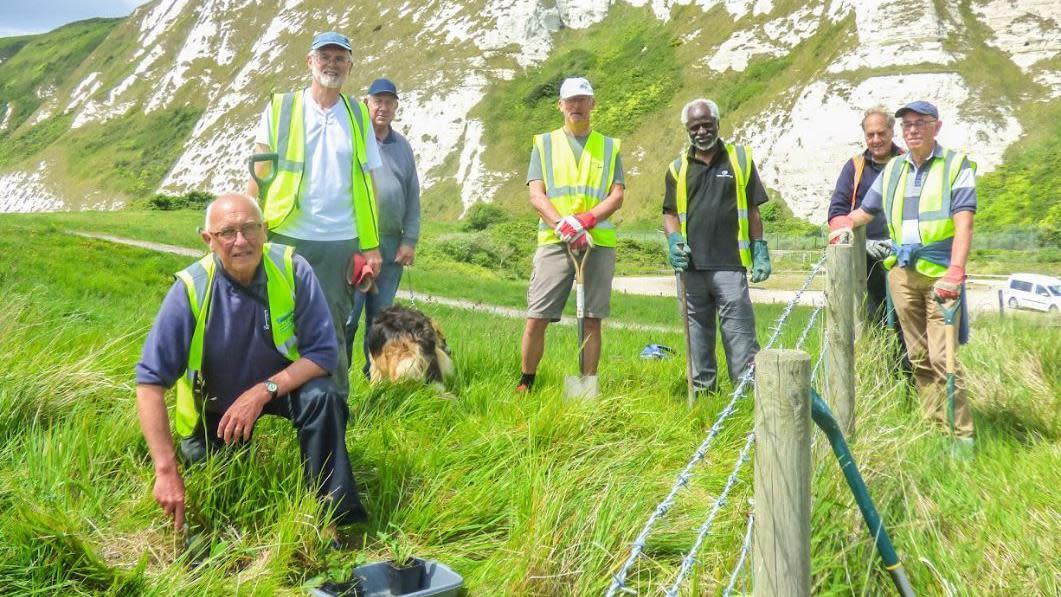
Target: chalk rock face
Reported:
[(225, 57)]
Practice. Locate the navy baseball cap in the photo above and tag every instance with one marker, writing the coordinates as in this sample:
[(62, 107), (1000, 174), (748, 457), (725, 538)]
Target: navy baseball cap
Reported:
[(382, 86), (330, 38), (921, 107)]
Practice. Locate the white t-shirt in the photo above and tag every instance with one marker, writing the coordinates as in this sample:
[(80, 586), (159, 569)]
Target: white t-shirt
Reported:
[(324, 204)]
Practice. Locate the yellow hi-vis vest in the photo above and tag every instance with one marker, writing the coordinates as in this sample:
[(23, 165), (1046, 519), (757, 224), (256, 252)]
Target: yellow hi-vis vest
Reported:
[(575, 188), (933, 210), (740, 160), (289, 141), (198, 281)]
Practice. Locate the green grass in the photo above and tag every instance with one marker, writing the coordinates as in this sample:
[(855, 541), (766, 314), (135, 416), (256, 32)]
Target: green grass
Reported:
[(39, 62), (535, 495)]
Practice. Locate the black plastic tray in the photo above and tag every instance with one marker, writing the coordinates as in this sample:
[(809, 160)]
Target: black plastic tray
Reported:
[(441, 581)]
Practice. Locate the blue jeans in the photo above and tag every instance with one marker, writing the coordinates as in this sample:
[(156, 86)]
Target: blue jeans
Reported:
[(372, 303)]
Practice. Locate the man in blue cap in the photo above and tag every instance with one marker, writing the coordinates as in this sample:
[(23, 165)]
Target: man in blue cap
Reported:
[(928, 198), (398, 197), (323, 200)]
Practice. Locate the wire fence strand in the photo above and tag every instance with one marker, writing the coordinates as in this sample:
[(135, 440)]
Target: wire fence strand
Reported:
[(637, 547), (745, 548), (690, 558)]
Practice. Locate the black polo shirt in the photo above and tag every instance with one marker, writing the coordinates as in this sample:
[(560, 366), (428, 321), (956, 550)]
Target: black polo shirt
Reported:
[(712, 217)]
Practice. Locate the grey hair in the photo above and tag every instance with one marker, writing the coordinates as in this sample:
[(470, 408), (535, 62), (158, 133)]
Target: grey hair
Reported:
[(227, 196), (318, 51), (711, 107), (879, 110)]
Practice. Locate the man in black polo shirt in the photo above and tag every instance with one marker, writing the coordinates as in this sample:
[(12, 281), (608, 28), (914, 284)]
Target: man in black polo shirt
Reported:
[(711, 215)]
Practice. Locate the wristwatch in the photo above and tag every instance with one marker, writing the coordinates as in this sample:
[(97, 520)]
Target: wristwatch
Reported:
[(272, 388)]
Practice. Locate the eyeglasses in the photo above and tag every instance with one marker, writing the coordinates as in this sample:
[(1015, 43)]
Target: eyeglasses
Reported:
[(250, 231), (333, 59), (919, 124)]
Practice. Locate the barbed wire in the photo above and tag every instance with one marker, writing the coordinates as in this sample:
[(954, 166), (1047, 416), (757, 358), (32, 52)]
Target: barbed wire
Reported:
[(810, 324), (637, 547), (690, 558), (745, 548)]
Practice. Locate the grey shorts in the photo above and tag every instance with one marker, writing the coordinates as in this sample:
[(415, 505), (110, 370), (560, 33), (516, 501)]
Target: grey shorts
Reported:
[(554, 276)]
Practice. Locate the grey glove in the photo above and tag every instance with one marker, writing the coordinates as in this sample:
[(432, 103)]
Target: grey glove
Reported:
[(878, 249)]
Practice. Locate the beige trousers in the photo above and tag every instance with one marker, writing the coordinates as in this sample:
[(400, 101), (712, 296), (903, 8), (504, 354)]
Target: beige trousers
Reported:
[(926, 343)]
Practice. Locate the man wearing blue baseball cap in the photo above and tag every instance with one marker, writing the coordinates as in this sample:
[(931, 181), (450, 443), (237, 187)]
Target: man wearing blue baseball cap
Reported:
[(928, 198), (323, 200), (398, 197)]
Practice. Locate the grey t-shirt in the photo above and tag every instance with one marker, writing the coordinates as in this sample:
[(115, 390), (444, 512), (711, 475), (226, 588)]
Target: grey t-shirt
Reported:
[(534, 172), (398, 190)]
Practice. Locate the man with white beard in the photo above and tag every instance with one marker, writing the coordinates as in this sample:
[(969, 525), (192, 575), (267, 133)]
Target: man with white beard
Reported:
[(715, 235), (323, 200)]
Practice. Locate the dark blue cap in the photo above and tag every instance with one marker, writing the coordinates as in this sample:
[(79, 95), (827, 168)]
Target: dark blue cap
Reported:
[(382, 86), (330, 38), (921, 107)]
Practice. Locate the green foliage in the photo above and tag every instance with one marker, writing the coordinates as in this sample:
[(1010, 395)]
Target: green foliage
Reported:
[(132, 153), (630, 62), (37, 65), (194, 200), (779, 219), (27, 143), (481, 216), (738, 88), (1023, 193)]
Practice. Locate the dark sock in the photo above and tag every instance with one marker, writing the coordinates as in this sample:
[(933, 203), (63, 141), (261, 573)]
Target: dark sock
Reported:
[(526, 379)]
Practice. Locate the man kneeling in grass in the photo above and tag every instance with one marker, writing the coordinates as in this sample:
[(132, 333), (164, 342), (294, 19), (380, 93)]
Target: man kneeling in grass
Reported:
[(244, 331)]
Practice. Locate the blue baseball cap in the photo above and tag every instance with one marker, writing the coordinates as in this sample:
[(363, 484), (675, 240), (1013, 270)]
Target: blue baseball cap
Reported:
[(382, 86), (921, 107), (330, 38)]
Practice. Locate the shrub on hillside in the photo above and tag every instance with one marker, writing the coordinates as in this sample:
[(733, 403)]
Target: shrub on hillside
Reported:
[(481, 216), (163, 202)]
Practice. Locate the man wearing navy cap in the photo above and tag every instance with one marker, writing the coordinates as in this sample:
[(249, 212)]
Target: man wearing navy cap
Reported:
[(928, 198), (323, 200), (398, 197)]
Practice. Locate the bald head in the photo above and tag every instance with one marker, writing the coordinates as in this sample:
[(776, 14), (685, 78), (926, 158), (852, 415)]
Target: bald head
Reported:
[(226, 203)]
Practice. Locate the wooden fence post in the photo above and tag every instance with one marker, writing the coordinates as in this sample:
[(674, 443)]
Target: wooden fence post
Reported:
[(859, 289), (781, 545), (840, 319)]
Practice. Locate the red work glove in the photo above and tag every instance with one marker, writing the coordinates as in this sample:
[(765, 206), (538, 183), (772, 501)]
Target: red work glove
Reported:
[(359, 274), (568, 228), (581, 242), (949, 287), (587, 219), (840, 230)]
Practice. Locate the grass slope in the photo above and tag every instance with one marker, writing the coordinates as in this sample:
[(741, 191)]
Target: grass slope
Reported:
[(532, 496)]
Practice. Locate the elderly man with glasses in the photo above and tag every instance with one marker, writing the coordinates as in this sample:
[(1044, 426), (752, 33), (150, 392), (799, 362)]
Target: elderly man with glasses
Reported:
[(928, 198), (323, 199), (244, 331)]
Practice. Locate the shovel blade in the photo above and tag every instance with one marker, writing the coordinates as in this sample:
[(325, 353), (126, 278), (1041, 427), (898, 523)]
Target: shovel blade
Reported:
[(581, 387)]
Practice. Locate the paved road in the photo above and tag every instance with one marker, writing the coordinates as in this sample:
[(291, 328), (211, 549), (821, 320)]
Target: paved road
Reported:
[(983, 295)]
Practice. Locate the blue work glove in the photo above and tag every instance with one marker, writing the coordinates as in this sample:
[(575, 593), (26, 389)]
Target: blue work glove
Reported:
[(678, 256), (760, 261)]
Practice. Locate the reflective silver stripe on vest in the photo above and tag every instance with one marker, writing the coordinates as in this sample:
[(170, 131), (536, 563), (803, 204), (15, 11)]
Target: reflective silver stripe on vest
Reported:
[(547, 162), (355, 115), (893, 185), (605, 183), (578, 190), (276, 253), (742, 159), (200, 278), (682, 217), (291, 344), (743, 245), (284, 134), (742, 214), (943, 213)]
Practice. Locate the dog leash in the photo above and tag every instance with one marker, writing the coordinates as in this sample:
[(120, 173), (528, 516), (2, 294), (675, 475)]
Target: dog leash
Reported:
[(408, 273)]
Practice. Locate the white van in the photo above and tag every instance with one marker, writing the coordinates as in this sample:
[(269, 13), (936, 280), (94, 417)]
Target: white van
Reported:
[(1033, 291)]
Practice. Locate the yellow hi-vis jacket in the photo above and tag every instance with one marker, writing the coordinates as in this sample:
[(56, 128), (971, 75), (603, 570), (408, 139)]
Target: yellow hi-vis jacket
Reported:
[(198, 281), (289, 141), (740, 160), (574, 188), (933, 211)]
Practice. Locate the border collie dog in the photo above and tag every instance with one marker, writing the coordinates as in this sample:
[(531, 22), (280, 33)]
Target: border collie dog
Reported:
[(403, 343)]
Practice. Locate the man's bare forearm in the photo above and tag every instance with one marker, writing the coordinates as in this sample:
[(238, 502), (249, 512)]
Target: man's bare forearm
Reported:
[(671, 223), (540, 201), (154, 422), (963, 238), (611, 203), (755, 222)]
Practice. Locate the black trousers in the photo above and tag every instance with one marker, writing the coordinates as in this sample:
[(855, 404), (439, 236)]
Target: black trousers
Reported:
[(319, 413), (877, 307)]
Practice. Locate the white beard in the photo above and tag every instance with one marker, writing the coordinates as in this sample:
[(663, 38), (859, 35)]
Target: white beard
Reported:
[(328, 81), (705, 146)]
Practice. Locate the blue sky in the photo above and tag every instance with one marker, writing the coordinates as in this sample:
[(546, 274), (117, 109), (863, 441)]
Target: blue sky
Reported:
[(19, 17)]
